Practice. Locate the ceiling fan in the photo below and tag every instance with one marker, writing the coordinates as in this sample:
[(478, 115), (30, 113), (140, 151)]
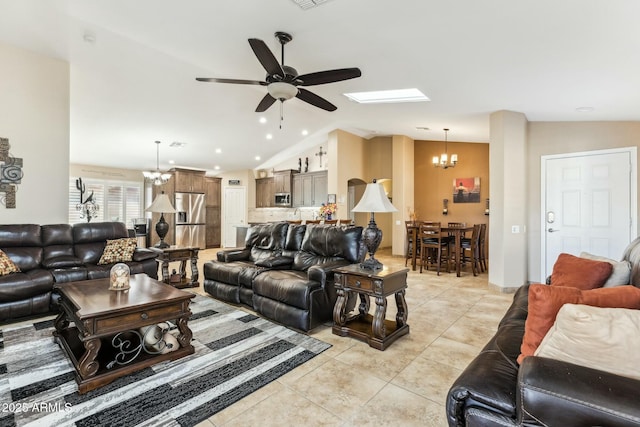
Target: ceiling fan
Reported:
[(283, 82)]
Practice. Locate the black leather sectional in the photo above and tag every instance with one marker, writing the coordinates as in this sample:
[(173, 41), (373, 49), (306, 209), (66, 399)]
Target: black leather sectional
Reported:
[(495, 391), (285, 271), (48, 254)]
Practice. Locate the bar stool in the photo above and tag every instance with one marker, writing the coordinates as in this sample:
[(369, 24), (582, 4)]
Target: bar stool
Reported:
[(434, 246)]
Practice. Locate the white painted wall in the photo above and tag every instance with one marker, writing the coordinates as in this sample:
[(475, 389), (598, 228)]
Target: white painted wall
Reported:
[(34, 115)]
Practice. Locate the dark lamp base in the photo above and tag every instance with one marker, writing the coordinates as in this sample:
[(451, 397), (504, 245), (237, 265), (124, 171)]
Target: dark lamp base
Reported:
[(161, 245), (371, 264)]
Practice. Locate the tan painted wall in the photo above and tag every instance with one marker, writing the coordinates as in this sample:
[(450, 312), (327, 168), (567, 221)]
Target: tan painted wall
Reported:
[(545, 138), (432, 185), (34, 116)]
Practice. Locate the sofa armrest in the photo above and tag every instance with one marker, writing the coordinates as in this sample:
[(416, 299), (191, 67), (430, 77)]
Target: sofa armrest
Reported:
[(142, 254), (234, 255), (276, 262), (320, 272), (552, 392)]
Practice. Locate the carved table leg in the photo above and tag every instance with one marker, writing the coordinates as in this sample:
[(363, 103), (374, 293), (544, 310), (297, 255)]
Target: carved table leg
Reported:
[(378, 327), (183, 269), (363, 308), (194, 266), (401, 303), (61, 323), (339, 315), (165, 271), (88, 365), (184, 338)]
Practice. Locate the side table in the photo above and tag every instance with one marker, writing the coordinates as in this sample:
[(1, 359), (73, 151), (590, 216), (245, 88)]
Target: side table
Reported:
[(376, 330), (182, 254)]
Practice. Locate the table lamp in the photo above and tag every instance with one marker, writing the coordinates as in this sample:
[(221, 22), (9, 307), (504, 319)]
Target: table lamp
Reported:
[(373, 200), (161, 205)]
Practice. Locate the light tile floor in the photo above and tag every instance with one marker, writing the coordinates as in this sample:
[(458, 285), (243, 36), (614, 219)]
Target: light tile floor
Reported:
[(351, 384)]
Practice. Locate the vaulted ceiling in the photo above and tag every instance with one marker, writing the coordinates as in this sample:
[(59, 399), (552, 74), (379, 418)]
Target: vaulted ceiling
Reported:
[(133, 66)]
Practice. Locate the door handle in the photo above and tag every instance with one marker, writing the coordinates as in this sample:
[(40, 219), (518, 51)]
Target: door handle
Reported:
[(551, 230)]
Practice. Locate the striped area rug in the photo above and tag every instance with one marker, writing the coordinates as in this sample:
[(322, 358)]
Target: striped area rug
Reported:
[(236, 353)]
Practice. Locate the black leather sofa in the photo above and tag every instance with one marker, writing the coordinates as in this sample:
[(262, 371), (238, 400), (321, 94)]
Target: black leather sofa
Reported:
[(285, 271), (495, 391), (48, 254)]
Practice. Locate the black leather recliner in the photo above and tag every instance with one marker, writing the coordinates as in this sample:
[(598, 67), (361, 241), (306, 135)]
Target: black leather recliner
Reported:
[(48, 254), (285, 271)]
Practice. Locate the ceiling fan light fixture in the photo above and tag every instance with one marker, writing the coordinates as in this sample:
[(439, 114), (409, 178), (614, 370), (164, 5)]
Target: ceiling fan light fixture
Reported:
[(282, 91)]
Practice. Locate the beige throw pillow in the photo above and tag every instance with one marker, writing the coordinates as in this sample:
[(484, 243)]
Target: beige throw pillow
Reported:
[(621, 273), (118, 250), (6, 265), (607, 339)]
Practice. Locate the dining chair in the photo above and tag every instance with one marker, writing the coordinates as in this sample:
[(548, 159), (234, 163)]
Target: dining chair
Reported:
[(412, 245), (470, 249), (482, 248), (434, 247)]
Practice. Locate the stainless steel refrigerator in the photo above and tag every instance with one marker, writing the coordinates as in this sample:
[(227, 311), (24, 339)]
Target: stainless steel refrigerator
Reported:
[(190, 220)]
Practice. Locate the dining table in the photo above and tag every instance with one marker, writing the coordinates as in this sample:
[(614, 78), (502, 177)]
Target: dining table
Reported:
[(456, 231)]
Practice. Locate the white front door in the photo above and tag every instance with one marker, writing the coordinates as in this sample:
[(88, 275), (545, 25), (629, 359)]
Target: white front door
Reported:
[(588, 203), (235, 212)]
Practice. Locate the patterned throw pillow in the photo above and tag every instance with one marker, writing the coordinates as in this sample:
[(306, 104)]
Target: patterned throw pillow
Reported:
[(119, 250), (6, 265)]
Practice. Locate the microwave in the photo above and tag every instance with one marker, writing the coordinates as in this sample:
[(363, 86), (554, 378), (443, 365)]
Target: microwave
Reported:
[(282, 199)]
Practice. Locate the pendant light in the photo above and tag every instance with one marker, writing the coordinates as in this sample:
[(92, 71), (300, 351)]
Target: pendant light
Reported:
[(157, 177), (443, 161)]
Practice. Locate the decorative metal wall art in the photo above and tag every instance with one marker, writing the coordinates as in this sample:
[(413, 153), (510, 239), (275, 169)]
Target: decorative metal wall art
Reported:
[(88, 208), (11, 174)]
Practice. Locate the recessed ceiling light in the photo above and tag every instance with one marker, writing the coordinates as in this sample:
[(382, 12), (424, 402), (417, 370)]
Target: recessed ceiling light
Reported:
[(172, 162), (176, 144), (263, 120), (305, 132), (218, 150), (269, 136), (395, 95), (216, 167), (257, 157), (584, 109)]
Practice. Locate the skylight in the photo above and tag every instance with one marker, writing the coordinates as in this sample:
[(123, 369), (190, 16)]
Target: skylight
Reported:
[(395, 95)]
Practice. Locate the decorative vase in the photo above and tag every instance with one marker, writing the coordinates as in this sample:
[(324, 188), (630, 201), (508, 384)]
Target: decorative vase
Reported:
[(329, 216)]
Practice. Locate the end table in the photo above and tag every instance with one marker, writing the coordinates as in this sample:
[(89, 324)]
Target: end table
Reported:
[(376, 330), (182, 254)]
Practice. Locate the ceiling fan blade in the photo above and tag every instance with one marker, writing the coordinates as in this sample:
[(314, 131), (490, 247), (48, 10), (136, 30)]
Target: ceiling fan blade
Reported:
[(235, 81), (266, 102), (328, 76), (266, 58), (315, 100)]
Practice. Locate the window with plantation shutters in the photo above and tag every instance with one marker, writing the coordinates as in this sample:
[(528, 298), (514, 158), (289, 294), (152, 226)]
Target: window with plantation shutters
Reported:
[(117, 200)]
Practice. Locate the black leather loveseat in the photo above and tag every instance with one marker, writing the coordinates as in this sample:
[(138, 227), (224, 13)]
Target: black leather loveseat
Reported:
[(495, 391), (285, 271), (48, 254)]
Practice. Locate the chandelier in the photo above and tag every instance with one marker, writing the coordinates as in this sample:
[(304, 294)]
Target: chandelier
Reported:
[(157, 177), (443, 161)]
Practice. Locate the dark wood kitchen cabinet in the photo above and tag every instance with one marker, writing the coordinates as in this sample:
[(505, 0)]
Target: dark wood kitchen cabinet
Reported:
[(212, 201), (265, 192)]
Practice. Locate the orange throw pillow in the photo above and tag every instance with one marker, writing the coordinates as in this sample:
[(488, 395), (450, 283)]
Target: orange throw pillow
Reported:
[(545, 302), (579, 272)]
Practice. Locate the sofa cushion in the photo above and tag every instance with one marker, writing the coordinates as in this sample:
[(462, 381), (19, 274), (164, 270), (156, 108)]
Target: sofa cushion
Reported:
[(6, 265), (600, 338), (118, 250), (62, 261), (326, 243), (582, 273), (545, 302), (621, 274), (26, 284), (26, 258), (286, 286)]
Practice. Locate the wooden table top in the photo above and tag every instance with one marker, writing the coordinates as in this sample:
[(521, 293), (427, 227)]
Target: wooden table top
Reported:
[(381, 273), (93, 297)]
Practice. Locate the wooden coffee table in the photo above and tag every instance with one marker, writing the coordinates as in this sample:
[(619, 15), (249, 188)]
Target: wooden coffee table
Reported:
[(98, 328)]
